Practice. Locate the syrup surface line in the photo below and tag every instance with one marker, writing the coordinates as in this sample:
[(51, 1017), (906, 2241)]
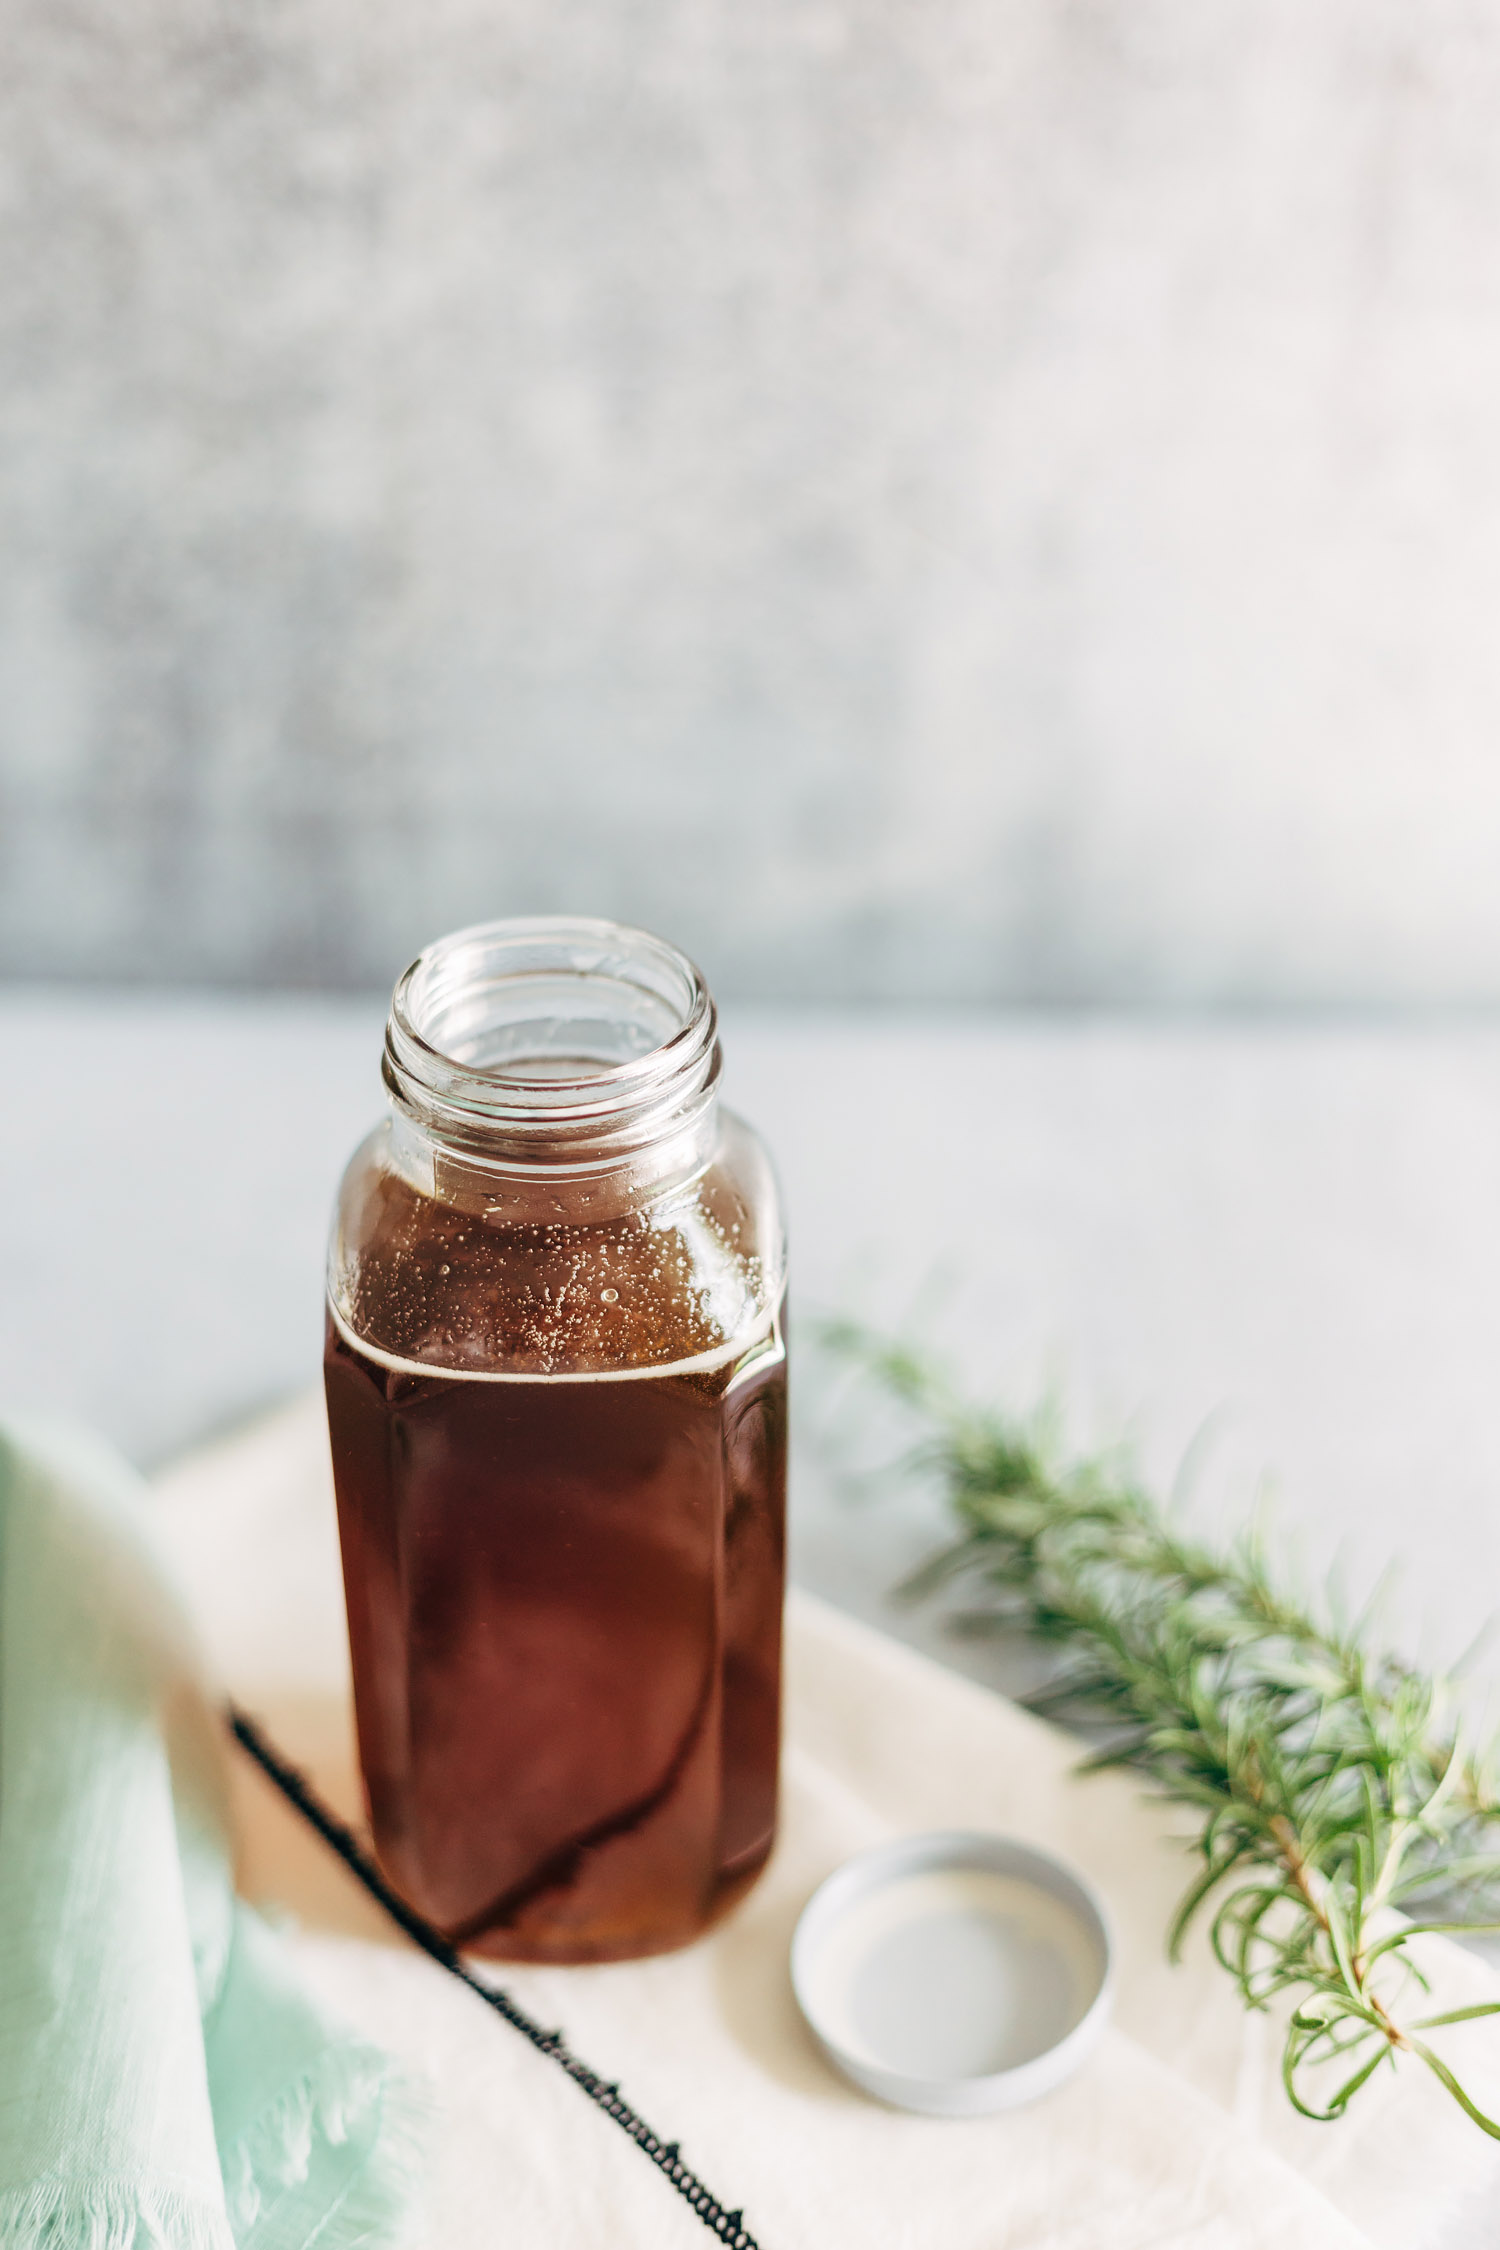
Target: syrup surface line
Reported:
[(702, 1363)]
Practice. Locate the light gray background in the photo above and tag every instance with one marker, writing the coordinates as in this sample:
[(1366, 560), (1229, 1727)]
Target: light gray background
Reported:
[(911, 497)]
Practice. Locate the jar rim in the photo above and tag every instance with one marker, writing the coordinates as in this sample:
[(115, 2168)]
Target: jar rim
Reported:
[(467, 1061)]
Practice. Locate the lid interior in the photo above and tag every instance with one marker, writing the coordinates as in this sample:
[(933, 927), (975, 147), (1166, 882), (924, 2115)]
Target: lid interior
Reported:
[(950, 1971)]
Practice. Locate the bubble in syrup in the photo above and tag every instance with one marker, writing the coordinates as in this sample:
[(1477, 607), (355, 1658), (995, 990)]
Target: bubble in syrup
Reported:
[(609, 1296)]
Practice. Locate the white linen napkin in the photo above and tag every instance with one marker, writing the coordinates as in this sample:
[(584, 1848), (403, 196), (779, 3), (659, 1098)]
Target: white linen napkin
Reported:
[(1176, 2132)]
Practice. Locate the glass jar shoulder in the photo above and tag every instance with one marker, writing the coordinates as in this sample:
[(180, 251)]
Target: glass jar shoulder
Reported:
[(431, 1271)]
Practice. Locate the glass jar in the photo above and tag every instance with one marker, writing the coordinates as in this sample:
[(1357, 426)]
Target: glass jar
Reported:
[(556, 1393)]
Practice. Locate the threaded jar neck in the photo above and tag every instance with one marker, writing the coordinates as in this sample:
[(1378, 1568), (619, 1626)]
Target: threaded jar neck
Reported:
[(555, 1046)]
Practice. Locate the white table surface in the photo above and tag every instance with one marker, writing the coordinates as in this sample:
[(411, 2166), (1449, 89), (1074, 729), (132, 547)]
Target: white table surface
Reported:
[(1294, 1230)]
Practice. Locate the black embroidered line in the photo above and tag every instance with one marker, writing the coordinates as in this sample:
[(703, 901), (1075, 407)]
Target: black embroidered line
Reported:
[(729, 2226)]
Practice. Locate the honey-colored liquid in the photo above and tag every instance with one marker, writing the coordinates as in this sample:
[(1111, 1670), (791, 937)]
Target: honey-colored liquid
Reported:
[(564, 1582)]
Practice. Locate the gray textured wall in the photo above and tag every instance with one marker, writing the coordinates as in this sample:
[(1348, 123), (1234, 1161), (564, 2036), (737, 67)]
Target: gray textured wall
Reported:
[(974, 497)]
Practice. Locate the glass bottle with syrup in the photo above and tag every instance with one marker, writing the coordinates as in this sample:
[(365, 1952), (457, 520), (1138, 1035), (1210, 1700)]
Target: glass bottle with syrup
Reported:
[(557, 1402)]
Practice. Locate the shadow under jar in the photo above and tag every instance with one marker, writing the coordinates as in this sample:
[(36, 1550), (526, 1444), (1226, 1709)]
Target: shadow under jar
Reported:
[(557, 1402)]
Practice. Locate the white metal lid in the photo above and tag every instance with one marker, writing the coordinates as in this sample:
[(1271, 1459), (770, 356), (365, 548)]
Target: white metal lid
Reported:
[(954, 1972)]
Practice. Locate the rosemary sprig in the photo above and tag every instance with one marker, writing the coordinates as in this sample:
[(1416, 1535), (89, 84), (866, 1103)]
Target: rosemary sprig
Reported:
[(1333, 1786)]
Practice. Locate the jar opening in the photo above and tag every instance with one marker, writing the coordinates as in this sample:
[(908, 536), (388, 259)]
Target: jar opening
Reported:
[(552, 1040)]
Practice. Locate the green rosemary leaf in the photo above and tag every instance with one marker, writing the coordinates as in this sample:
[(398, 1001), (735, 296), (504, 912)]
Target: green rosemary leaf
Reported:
[(1458, 2015), (1212, 1876), (1339, 2102), (1441, 2072), (1454, 1875), (1398, 1938)]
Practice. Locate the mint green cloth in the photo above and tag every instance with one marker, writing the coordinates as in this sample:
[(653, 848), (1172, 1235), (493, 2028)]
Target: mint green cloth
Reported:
[(164, 2080)]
